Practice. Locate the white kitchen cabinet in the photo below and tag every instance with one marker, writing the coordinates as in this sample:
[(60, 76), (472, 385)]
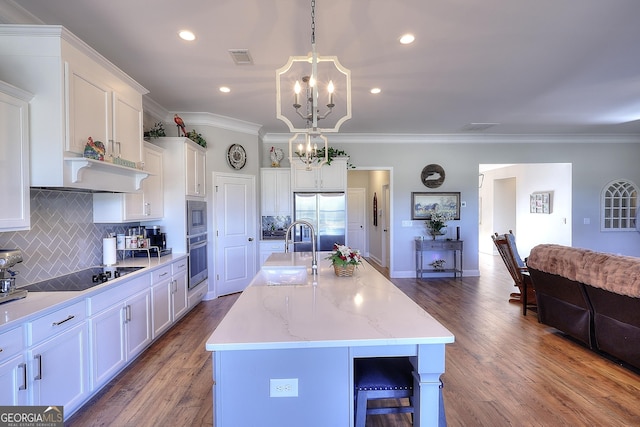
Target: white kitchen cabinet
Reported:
[(13, 368), (57, 354), (196, 170), (146, 205), (14, 155), (181, 166), (331, 177), (169, 295), (275, 192), (120, 327), (268, 247), (81, 95)]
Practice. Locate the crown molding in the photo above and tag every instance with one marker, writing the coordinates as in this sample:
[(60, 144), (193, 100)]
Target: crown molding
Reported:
[(356, 138), (12, 13), (61, 32), (214, 120), (155, 110)]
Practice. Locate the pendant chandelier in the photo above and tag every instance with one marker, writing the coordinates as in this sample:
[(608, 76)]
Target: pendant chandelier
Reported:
[(298, 86)]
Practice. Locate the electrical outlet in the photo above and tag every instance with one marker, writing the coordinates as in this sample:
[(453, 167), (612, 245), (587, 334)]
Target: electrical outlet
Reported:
[(283, 387), (407, 223)]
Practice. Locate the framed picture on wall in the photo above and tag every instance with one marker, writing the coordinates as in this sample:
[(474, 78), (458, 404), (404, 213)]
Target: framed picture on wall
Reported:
[(423, 204), (540, 203)]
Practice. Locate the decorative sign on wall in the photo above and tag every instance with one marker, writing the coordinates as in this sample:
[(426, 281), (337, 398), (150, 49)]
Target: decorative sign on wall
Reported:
[(540, 203), (432, 176)]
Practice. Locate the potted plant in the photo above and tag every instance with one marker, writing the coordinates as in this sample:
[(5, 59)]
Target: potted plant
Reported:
[(156, 131), (197, 138), (344, 259), (436, 223)]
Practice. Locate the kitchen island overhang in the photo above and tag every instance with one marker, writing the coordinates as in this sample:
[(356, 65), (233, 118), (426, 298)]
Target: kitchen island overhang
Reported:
[(311, 333)]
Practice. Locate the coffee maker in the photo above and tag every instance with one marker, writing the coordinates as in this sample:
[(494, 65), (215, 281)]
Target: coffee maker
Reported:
[(157, 242), (8, 291)]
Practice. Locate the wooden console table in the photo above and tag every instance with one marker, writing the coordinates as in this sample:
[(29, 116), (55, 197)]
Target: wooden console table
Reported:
[(427, 245)]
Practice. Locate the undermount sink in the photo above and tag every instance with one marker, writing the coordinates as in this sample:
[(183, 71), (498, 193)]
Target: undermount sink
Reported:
[(278, 276)]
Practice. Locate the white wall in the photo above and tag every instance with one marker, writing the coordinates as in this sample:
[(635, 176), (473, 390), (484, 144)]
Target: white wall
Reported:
[(593, 166), (530, 228)]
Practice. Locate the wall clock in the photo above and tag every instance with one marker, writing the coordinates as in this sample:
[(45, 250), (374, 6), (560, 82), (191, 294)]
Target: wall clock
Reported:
[(237, 156), (432, 176)]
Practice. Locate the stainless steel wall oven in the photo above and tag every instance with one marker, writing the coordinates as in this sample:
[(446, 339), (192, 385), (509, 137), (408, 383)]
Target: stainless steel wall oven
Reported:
[(197, 250), (197, 241)]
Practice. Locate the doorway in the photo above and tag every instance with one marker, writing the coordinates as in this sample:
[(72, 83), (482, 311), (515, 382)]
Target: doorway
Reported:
[(235, 233), (505, 192)]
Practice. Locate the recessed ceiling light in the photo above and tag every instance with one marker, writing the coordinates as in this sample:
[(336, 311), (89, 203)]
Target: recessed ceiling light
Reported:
[(376, 90), (407, 39), (187, 35), (225, 89)]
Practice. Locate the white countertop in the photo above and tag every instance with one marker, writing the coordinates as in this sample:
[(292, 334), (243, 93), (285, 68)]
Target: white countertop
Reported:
[(39, 303), (363, 310)]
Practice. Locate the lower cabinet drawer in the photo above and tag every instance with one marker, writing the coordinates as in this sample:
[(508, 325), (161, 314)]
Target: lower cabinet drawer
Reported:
[(56, 322), (11, 342)]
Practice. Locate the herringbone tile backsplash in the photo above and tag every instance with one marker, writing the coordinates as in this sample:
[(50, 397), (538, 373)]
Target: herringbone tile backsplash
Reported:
[(62, 239)]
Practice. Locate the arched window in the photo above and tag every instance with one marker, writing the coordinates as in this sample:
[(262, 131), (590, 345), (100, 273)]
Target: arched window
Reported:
[(619, 206)]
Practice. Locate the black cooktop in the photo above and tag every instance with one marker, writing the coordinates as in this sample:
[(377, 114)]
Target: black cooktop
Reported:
[(80, 280)]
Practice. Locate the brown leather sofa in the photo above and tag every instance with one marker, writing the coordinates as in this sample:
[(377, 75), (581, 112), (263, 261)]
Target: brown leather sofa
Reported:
[(591, 296)]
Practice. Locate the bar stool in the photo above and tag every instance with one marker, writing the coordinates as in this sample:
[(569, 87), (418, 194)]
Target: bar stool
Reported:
[(382, 378)]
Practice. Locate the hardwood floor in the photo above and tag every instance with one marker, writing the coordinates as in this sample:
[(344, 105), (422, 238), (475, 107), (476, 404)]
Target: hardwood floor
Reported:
[(504, 369)]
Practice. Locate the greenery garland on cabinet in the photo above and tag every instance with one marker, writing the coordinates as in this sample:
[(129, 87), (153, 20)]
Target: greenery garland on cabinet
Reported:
[(334, 153)]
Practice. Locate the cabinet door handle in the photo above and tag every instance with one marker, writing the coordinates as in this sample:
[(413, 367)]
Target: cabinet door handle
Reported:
[(23, 366), (128, 313), (71, 316), (38, 357)]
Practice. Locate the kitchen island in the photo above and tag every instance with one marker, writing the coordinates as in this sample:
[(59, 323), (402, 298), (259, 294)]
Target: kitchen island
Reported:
[(305, 333)]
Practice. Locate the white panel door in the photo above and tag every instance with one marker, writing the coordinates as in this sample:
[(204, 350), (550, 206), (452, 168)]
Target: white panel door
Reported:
[(235, 213), (356, 219)]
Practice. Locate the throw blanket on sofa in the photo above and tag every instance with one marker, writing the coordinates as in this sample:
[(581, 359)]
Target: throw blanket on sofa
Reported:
[(615, 273)]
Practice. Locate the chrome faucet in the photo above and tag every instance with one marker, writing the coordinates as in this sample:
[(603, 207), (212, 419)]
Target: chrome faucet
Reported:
[(314, 255)]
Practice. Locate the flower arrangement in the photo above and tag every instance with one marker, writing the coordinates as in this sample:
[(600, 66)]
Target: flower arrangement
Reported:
[(438, 264), (343, 256), (437, 222)]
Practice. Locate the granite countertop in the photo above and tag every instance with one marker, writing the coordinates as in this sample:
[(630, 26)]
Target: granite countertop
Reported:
[(13, 313), (328, 311)]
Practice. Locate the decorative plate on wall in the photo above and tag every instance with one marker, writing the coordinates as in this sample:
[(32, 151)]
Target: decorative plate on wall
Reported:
[(237, 156), (432, 176)]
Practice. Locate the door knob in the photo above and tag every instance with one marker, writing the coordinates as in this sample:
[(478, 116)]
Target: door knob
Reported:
[(251, 239)]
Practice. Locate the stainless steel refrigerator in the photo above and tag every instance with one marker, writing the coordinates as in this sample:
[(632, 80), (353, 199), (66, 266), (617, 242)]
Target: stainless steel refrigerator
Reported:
[(327, 212)]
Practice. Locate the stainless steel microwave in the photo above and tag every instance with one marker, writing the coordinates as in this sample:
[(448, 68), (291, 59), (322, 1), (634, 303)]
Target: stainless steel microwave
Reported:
[(196, 217)]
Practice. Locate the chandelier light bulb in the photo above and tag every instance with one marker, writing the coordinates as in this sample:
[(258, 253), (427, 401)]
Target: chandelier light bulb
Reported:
[(330, 88)]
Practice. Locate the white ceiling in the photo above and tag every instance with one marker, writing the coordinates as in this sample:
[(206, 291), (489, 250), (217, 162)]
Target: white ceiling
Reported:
[(534, 66)]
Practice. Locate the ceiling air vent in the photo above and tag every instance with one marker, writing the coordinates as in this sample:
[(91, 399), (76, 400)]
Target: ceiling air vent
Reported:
[(241, 56), (476, 127)]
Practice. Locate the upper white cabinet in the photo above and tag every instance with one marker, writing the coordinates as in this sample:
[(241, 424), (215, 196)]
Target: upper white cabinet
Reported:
[(276, 191), (195, 170), (14, 158), (80, 95), (328, 178), (146, 205), (184, 178)]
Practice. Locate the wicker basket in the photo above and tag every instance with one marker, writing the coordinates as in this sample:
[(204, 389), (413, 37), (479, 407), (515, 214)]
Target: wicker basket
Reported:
[(344, 271)]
